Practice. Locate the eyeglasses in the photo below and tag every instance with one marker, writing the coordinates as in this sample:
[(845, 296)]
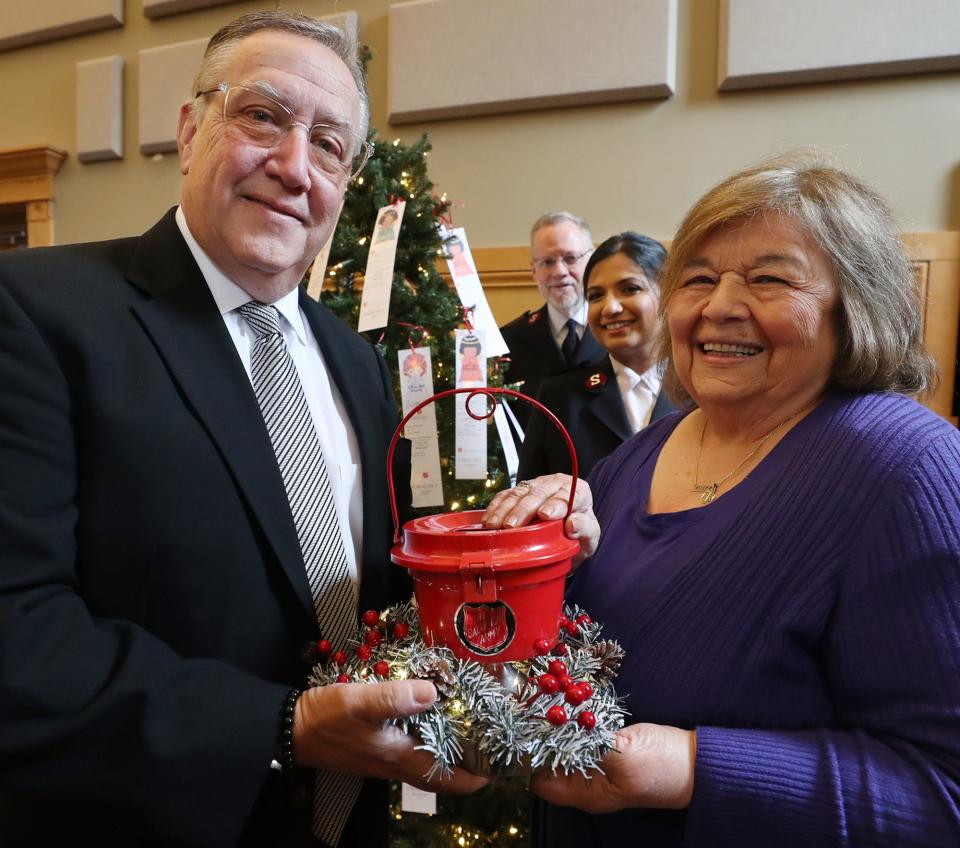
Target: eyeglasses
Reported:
[(551, 262), (265, 122)]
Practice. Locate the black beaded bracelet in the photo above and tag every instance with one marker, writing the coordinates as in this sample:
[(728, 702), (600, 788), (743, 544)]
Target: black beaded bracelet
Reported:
[(286, 731)]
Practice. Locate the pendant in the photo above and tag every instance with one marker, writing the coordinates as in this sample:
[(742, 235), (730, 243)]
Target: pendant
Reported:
[(709, 492)]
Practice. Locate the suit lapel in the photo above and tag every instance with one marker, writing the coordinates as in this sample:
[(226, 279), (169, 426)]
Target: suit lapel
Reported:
[(589, 349), (606, 405), (359, 384), (544, 345), (189, 333)]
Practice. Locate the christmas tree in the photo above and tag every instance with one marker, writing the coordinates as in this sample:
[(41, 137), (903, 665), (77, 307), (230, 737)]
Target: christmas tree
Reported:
[(424, 309)]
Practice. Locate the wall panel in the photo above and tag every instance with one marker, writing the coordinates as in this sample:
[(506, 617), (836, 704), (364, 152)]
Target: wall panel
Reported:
[(773, 42), (452, 58)]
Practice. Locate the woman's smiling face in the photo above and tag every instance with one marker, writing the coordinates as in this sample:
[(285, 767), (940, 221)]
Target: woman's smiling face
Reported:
[(622, 310), (752, 318)]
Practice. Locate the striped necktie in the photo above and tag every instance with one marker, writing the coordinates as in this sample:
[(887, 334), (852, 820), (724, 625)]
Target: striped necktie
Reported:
[(297, 448)]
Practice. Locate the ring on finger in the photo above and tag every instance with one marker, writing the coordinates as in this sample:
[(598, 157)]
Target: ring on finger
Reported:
[(524, 484)]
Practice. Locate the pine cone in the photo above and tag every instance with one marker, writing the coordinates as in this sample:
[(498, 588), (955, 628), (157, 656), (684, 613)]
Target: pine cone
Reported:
[(437, 670), (610, 655)]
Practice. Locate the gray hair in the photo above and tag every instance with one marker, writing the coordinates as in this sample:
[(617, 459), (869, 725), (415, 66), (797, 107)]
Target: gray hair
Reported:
[(550, 219), (224, 40), (879, 330)]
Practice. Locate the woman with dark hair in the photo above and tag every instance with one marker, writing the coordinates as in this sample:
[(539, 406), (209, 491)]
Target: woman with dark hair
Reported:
[(605, 402), (781, 560)]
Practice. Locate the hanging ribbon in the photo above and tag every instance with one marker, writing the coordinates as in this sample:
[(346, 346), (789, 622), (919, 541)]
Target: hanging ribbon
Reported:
[(424, 334)]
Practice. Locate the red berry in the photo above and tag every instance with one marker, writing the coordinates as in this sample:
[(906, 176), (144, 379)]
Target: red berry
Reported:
[(373, 638), (587, 720), (343, 678), (575, 695), (583, 620), (381, 669), (547, 683), (559, 649), (572, 628), (563, 621), (371, 618), (339, 657), (557, 668), (324, 647), (565, 681), (364, 652), (401, 630), (587, 689), (542, 647), (556, 715)]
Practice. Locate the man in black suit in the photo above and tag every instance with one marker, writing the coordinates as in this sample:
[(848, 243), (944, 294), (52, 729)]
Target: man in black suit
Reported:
[(555, 337), (153, 593)]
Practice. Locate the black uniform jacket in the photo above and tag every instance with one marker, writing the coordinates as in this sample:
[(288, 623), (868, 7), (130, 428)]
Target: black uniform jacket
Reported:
[(587, 401), (153, 599), (535, 355)]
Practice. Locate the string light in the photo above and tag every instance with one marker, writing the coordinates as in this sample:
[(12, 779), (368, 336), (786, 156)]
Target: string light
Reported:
[(359, 180), (362, 240), (396, 142)]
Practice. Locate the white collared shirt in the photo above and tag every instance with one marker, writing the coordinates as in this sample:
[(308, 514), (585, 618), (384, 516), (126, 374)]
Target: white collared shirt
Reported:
[(338, 442), (638, 391), (558, 322)]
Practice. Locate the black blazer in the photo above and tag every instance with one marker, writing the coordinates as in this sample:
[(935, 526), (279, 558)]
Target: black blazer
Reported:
[(153, 599), (587, 401), (535, 355)]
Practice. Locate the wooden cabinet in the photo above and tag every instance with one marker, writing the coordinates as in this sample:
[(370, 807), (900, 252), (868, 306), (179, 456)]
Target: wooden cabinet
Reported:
[(26, 194)]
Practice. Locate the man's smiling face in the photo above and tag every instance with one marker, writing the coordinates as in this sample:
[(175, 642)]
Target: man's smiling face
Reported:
[(262, 214)]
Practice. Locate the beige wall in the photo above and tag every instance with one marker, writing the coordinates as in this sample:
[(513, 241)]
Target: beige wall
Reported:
[(635, 165)]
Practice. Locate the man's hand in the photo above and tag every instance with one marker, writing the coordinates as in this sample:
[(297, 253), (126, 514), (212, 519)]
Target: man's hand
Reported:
[(546, 497), (652, 766), (340, 728)]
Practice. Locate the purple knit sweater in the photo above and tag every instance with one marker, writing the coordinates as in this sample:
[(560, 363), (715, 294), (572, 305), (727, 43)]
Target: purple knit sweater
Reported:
[(807, 624)]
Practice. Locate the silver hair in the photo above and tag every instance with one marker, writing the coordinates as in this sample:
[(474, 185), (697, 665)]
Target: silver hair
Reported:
[(878, 320), (550, 219), (221, 45)]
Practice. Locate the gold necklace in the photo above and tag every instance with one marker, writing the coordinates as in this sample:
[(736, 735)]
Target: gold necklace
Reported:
[(708, 491)]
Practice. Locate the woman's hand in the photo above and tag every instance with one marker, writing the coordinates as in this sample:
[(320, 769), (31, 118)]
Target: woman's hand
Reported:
[(652, 766), (546, 497)]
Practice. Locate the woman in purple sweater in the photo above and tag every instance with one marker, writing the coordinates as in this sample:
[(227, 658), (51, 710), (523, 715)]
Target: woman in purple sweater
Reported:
[(781, 561)]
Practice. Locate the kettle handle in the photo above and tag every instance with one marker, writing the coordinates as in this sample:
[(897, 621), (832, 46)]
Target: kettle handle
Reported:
[(489, 393)]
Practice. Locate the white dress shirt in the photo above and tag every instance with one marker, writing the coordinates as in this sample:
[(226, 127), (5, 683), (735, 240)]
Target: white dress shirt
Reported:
[(558, 322), (638, 391), (338, 442)]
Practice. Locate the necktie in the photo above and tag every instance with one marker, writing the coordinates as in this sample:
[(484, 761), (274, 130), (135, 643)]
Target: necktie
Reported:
[(570, 342), (297, 448)]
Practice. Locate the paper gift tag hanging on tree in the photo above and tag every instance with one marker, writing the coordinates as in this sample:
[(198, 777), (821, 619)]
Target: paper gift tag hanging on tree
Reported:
[(416, 385), (470, 291), (471, 434), (378, 278)]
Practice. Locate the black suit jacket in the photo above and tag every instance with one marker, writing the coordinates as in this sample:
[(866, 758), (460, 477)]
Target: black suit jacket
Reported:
[(153, 599), (587, 401), (535, 355)]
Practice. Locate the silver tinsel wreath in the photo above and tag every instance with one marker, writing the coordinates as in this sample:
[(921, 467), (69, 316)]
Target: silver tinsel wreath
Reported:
[(492, 718)]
